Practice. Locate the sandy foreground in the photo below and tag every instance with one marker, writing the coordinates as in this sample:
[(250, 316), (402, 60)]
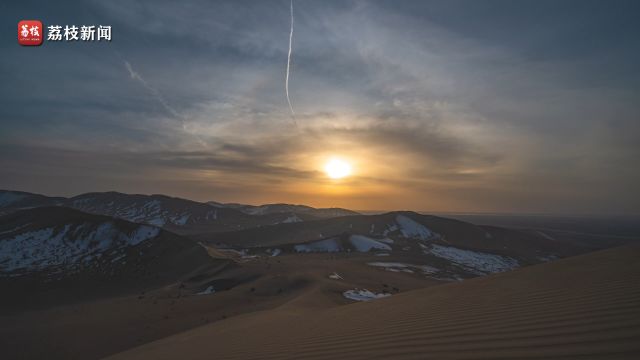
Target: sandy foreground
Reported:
[(98, 328), (583, 307)]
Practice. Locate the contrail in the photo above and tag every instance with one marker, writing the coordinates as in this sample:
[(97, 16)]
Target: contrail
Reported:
[(155, 92), (158, 96), (286, 82)]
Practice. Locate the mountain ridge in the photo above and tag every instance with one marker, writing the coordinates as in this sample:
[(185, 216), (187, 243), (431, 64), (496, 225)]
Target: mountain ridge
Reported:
[(174, 213)]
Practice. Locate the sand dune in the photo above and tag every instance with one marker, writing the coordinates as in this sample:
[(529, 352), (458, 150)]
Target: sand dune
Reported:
[(582, 307)]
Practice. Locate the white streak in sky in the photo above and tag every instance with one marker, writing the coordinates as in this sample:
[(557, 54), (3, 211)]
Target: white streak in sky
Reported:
[(158, 96), (154, 92), (286, 82)]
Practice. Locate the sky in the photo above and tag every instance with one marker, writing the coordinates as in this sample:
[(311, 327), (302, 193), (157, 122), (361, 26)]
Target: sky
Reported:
[(461, 106)]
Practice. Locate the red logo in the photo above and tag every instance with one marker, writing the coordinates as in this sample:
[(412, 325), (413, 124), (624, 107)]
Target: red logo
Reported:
[(30, 32)]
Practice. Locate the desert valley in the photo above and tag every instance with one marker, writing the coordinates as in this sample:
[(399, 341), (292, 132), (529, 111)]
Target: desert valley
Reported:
[(136, 276)]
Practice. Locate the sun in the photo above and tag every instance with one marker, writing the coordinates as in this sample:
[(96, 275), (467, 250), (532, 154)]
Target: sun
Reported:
[(337, 169)]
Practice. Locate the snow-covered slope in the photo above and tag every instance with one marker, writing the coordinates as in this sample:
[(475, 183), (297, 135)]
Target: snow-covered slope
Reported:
[(474, 261), (158, 210), (345, 242), (364, 243), (293, 218), (412, 229), (61, 241), (68, 245)]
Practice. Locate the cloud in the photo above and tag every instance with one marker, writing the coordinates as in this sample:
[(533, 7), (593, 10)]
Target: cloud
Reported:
[(430, 110)]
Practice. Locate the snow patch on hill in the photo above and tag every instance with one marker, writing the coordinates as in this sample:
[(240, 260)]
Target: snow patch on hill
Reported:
[(153, 212), (363, 295), (71, 244), (545, 235), (403, 267), (327, 245), (335, 276), (548, 258), (412, 229), (365, 244), (291, 219), (207, 291), (476, 262), (360, 243)]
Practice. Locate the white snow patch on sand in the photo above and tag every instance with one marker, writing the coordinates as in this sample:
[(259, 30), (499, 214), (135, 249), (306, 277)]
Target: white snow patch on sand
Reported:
[(242, 252), (364, 244), (327, 245), (207, 291), (335, 276), (292, 219), (478, 262), (412, 229), (363, 295), (545, 235), (548, 258), (397, 267)]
